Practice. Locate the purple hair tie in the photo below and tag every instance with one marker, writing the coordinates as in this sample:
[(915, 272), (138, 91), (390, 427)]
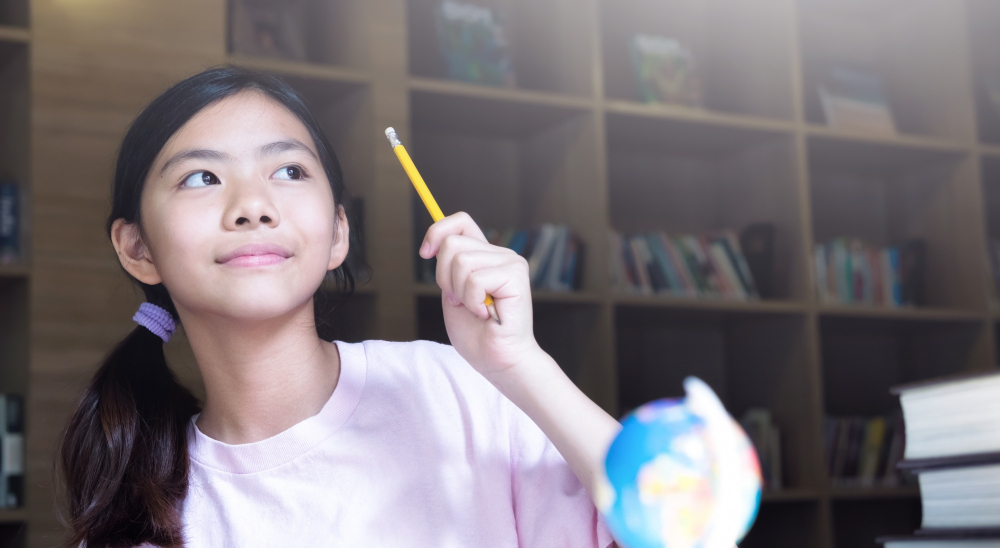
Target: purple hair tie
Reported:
[(155, 319)]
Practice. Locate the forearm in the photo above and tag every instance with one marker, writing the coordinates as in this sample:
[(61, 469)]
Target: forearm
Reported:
[(575, 425)]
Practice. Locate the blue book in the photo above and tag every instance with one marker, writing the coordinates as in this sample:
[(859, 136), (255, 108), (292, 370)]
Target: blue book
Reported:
[(660, 255)]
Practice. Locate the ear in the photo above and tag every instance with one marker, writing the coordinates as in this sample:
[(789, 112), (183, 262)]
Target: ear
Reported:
[(133, 253), (341, 240)]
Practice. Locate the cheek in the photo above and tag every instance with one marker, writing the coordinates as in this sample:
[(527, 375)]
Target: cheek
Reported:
[(185, 240)]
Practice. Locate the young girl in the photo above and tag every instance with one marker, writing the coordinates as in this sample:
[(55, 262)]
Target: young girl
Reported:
[(228, 213)]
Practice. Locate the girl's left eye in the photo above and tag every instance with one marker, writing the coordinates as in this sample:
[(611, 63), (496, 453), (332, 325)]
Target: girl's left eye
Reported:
[(289, 172)]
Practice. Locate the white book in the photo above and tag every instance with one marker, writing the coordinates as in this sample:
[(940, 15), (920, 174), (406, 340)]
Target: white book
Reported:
[(966, 497), (543, 245), (959, 416)]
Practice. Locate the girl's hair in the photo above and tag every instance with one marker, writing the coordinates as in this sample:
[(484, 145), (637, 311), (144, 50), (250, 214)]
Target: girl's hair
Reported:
[(123, 457)]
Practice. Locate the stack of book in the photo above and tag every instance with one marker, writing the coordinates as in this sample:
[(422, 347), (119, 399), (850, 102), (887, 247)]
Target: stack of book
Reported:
[(766, 438), (853, 99), (864, 451), (9, 223), (850, 271), (555, 256), (474, 44), (953, 446), (11, 451), (665, 70), (709, 265)]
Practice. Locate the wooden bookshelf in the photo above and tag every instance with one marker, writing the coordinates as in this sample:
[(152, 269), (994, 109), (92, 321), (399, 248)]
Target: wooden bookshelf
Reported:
[(570, 143), (15, 278)]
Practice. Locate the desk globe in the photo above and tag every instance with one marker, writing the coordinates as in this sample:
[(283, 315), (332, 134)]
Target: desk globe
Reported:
[(680, 474)]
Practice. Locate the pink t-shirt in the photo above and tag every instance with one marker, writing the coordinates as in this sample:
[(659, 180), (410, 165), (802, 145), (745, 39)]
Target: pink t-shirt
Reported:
[(414, 448)]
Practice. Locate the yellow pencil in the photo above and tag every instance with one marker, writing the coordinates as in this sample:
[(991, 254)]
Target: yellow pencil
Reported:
[(428, 199)]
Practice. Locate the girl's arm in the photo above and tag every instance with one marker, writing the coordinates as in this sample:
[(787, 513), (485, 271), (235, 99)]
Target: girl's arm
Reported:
[(469, 267)]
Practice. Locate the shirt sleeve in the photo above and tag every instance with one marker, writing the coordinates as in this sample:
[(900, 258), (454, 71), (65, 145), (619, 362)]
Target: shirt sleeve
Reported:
[(552, 509)]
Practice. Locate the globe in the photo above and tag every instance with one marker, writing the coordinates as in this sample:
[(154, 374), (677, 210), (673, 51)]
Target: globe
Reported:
[(681, 473)]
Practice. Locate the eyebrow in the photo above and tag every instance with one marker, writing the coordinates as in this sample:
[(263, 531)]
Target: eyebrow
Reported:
[(269, 149)]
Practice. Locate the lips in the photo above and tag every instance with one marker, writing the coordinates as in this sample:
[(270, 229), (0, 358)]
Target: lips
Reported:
[(255, 255)]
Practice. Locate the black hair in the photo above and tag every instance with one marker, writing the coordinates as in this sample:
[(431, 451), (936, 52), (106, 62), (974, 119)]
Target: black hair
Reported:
[(123, 456)]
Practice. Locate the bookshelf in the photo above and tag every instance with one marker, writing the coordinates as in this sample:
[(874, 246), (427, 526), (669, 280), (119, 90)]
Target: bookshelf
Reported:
[(569, 143), (15, 278)]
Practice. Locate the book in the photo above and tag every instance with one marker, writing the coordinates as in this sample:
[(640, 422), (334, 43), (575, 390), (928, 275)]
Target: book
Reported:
[(757, 245), (864, 451), (851, 271), (853, 99), (268, 28), (11, 451), (665, 70), (959, 492), (766, 438), (953, 539), (472, 39), (10, 221), (952, 416), (706, 265)]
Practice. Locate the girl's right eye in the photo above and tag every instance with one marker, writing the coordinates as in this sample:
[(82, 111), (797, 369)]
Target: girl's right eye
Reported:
[(200, 178)]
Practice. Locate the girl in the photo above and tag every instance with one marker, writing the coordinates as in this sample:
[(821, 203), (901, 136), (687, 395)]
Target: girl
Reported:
[(228, 213)]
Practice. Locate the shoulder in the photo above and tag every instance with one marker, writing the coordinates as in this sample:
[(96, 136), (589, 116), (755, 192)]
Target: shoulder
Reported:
[(437, 367)]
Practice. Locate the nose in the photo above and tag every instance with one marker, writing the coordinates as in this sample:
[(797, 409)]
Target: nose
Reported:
[(250, 205)]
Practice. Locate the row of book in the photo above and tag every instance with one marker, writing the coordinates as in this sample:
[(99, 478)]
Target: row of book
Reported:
[(707, 265), (9, 223), (554, 253), (11, 451), (953, 447), (864, 451), (766, 438), (848, 270)]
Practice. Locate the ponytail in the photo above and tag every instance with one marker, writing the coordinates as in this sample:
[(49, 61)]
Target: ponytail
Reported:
[(124, 456)]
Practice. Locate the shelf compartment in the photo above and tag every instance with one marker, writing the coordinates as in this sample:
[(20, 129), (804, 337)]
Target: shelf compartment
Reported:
[(710, 304), (14, 127), (350, 319), (749, 359), (791, 523), (857, 523), (549, 42), (741, 51), (569, 332), (984, 42), (885, 194), (14, 13), (864, 357), (686, 177), (335, 32), (13, 533), (990, 166), (509, 164), (923, 73), (14, 313)]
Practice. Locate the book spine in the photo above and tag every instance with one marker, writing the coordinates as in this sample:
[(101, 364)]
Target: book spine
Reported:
[(666, 265), (9, 223), (693, 265), (728, 269), (645, 285), (721, 281), (735, 252), (631, 267), (690, 288), (12, 451), (554, 262), (819, 261), (693, 246)]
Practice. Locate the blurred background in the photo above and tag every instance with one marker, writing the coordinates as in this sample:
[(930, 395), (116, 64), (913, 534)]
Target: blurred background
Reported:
[(795, 200)]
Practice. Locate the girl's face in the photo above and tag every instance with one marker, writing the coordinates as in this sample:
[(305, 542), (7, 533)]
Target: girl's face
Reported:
[(238, 214)]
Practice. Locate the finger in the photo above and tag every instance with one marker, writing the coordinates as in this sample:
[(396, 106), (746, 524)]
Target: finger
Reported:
[(460, 223), (492, 280), (467, 264), (453, 245)]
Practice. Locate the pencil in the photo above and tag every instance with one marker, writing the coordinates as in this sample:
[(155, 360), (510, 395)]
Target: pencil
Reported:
[(427, 198)]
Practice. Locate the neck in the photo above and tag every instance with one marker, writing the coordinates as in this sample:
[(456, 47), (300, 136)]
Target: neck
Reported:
[(261, 377)]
